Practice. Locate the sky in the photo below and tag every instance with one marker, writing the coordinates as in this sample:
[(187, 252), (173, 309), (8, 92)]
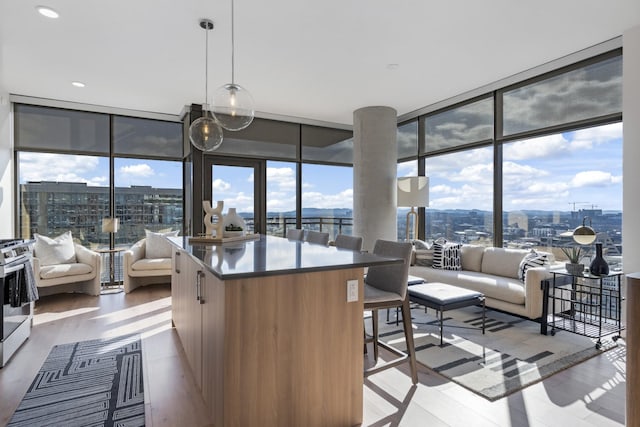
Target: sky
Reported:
[(547, 173)]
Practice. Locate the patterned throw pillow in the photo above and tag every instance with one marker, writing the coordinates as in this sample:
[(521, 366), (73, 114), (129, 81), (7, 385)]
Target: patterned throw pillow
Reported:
[(532, 259), (446, 256)]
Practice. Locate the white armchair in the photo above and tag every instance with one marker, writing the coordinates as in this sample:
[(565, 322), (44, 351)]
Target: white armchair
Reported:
[(80, 276), (141, 271)]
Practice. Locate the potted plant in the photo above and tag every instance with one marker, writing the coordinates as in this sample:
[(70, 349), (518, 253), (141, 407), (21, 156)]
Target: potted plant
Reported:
[(573, 254)]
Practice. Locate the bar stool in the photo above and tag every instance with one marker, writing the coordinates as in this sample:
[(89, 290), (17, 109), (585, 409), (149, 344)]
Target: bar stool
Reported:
[(295, 234), (385, 286), (318, 238), (344, 241)]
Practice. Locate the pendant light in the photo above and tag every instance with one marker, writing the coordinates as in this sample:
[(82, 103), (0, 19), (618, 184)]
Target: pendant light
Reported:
[(233, 104), (205, 133)]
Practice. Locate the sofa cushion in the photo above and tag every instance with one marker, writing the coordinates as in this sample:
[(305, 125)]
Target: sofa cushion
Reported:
[(156, 246), (59, 250), (502, 261), (447, 256), (532, 259), (471, 257), (146, 264), (64, 270), (495, 287)]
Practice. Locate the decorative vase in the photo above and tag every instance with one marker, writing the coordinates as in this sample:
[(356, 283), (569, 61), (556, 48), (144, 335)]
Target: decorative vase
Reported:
[(233, 224), (574, 269), (599, 266)]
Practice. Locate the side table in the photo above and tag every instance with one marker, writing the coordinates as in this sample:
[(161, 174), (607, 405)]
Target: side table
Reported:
[(112, 286)]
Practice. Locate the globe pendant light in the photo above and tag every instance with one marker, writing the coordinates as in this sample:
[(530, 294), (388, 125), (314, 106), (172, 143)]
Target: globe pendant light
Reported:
[(233, 104), (205, 133)]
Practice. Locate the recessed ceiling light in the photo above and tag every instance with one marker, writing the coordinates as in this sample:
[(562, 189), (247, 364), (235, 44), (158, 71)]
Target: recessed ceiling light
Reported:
[(78, 84), (47, 11)]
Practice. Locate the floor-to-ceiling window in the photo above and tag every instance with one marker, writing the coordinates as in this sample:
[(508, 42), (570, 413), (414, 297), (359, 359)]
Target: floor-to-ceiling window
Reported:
[(554, 183), (62, 192), (459, 163), (70, 178), (148, 196), (327, 199), (562, 158), (461, 196), (281, 197)]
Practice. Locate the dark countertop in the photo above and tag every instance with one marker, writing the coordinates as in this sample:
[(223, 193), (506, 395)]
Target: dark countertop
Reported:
[(272, 255)]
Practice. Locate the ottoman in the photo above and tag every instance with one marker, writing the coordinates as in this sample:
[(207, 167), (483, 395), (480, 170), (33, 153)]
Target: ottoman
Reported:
[(443, 297)]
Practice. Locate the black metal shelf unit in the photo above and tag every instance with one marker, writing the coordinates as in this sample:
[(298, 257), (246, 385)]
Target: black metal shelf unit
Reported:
[(586, 305)]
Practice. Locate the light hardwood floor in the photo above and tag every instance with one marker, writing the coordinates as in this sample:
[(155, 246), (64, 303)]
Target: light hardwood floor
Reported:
[(589, 394)]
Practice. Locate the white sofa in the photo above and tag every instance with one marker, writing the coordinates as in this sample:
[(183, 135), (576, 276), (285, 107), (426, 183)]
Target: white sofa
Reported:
[(83, 275), (494, 272), (141, 271)]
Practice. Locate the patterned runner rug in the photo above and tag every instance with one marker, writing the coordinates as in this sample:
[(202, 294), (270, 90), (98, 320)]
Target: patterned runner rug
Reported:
[(88, 383), (510, 356)]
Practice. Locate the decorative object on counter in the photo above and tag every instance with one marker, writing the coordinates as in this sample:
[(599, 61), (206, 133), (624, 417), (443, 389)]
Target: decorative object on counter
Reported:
[(584, 234), (573, 254), (234, 225), (213, 219), (599, 266)]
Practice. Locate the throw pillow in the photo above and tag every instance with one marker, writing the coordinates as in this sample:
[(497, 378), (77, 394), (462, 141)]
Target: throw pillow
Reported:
[(447, 256), (532, 259), (156, 246), (420, 244), (424, 257), (59, 250)]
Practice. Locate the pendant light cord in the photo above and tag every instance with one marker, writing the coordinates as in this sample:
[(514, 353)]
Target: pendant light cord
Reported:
[(206, 69), (232, 46)]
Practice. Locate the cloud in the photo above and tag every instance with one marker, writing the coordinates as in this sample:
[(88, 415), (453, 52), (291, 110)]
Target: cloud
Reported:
[(409, 168), (583, 93), (343, 199), (281, 178), (594, 179), (141, 170), (546, 146), (219, 185), (62, 168)]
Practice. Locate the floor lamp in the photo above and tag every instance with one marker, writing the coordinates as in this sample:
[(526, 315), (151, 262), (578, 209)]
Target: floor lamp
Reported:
[(413, 191), (110, 225)]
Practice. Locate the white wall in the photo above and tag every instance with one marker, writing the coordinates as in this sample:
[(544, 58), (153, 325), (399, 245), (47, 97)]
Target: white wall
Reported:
[(631, 150), (6, 160)]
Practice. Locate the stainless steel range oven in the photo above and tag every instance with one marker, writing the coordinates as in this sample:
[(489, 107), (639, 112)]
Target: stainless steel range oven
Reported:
[(17, 314)]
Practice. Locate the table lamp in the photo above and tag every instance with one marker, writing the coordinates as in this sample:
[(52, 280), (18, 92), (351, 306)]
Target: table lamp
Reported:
[(110, 225), (413, 191)]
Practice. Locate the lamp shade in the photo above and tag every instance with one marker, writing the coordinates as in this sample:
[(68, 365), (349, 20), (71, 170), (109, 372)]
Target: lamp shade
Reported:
[(584, 234), (413, 191), (110, 225)]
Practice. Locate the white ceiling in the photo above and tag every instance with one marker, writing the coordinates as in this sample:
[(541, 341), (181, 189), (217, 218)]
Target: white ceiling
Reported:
[(319, 60)]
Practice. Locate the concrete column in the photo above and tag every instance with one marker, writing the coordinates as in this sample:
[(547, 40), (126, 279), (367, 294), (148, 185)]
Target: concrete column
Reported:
[(630, 208), (6, 164), (374, 174)]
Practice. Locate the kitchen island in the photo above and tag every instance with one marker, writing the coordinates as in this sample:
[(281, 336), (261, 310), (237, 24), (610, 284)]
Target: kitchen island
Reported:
[(268, 330)]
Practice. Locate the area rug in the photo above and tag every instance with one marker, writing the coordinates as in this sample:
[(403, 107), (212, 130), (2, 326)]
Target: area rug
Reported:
[(510, 356), (88, 383)]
